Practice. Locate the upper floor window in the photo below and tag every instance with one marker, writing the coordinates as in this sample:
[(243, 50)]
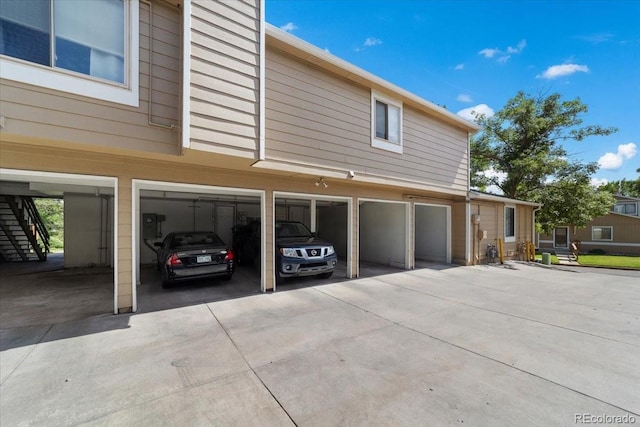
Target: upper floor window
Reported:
[(628, 208), (386, 119), (509, 224), (602, 233), (86, 47)]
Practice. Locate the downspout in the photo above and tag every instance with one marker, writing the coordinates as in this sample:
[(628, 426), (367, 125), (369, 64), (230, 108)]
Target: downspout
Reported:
[(262, 94), (533, 225), (150, 101), (186, 76), (468, 244)]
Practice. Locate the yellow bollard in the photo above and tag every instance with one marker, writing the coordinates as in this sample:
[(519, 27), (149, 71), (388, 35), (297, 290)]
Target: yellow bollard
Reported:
[(532, 251), (500, 251)]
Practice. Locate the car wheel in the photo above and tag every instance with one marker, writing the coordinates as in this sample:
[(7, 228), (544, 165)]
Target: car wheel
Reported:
[(279, 279), (325, 275), (166, 283)]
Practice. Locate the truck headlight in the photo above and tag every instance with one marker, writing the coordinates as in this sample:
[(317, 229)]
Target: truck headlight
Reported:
[(331, 251), (289, 252)]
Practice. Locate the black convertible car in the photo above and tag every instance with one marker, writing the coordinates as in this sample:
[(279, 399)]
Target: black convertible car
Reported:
[(193, 255)]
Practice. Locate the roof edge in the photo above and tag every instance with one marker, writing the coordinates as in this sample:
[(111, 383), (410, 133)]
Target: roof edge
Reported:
[(376, 82), (475, 195)]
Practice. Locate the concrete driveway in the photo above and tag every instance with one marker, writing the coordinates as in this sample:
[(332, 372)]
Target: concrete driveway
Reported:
[(514, 345)]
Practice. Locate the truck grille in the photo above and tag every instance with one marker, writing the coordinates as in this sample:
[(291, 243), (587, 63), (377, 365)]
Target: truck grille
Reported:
[(316, 252)]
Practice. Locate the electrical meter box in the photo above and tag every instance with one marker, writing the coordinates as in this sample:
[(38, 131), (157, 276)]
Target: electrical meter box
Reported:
[(149, 226), (482, 234)]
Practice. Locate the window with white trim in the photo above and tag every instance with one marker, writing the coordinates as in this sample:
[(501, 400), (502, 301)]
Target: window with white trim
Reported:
[(86, 47), (386, 123), (627, 208), (602, 232), (509, 223)]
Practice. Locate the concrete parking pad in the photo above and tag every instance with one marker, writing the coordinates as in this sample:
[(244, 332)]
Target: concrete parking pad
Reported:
[(484, 345)]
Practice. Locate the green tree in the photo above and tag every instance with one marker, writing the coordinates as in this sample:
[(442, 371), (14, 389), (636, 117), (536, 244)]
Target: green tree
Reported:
[(52, 214), (523, 140), (624, 187), (571, 200)]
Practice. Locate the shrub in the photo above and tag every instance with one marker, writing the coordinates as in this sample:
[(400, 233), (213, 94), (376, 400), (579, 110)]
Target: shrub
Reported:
[(597, 251)]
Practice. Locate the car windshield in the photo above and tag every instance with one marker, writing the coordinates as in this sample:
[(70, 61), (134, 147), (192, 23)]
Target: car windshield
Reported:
[(292, 229), (196, 239)]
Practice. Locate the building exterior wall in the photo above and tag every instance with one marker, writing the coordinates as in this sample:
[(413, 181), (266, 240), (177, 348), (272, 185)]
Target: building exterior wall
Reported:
[(317, 118), (40, 113), (88, 225), (626, 235), (492, 221), (224, 67), (126, 168)]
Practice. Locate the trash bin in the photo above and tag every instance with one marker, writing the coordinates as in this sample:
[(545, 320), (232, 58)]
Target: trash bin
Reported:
[(546, 258)]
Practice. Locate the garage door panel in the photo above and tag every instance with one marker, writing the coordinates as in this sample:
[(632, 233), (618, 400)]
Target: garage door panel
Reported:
[(431, 233), (383, 233)]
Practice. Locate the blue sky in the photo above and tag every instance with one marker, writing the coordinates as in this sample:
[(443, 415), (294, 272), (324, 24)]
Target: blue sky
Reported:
[(478, 54)]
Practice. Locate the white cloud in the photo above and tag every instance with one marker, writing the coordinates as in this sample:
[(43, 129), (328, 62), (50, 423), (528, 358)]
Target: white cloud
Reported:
[(489, 53), (289, 27), (459, 67), (467, 113), (492, 173), (503, 55), (628, 151), (613, 161), (556, 71), (372, 41), (499, 176), (463, 97), (597, 38), (597, 182), (519, 48)]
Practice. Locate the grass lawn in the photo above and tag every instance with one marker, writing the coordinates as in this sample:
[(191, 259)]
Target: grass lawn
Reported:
[(610, 260)]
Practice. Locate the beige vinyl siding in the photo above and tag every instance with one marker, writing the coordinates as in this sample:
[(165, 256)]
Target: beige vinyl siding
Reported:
[(492, 220), (36, 112), (225, 74), (316, 117), (626, 229), (126, 168)]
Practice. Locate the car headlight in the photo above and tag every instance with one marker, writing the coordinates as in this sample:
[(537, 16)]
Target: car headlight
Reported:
[(289, 252), (331, 251)]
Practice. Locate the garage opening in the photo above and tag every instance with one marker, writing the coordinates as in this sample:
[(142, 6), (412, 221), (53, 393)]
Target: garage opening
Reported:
[(167, 215), (44, 281), (432, 234), (383, 236), (328, 219)]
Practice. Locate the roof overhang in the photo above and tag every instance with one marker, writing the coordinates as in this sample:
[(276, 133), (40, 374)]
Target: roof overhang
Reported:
[(474, 195), (279, 39)]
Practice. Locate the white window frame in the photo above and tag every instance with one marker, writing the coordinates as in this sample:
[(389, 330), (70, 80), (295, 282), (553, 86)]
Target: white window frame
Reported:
[(625, 204), (601, 226), (380, 142), (509, 239), (79, 84)]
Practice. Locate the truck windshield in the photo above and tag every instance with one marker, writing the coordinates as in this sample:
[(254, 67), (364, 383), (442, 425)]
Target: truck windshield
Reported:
[(292, 229)]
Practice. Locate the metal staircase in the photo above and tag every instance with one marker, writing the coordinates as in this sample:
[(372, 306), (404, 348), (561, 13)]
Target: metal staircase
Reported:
[(23, 236)]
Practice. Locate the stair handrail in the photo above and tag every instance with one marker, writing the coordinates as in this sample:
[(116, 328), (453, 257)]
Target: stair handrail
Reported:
[(36, 219)]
